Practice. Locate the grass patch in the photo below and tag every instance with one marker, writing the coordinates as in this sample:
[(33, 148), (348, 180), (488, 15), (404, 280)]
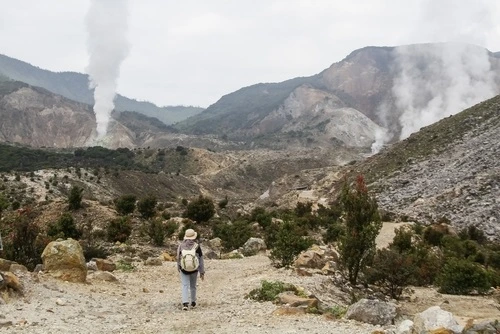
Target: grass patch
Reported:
[(269, 291)]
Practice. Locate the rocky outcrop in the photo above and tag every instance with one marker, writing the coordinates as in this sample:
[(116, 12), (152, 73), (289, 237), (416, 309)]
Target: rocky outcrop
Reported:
[(253, 246), (372, 311), (433, 319), (63, 259)]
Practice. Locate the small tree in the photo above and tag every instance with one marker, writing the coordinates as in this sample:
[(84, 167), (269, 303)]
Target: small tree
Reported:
[(146, 207), (362, 225), (125, 204), (200, 210), (75, 198), (289, 243), (119, 229), (157, 232)]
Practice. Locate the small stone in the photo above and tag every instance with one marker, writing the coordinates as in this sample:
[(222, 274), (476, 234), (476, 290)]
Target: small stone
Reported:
[(60, 302)]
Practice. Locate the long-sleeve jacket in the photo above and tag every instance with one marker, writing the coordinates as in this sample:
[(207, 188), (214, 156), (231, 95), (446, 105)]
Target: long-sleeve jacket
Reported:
[(189, 244)]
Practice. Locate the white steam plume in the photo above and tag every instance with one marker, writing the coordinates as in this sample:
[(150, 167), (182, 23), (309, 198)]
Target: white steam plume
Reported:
[(438, 80), (108, 46)]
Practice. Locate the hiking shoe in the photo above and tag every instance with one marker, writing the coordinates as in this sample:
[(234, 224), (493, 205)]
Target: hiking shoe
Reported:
[(185, 306), (193, 304)]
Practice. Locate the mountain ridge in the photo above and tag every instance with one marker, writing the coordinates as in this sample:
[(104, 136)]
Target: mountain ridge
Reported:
[(74, 85)]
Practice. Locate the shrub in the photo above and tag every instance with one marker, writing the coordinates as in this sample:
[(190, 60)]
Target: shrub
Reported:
[(362, 225), (333, 232), (269, 291), (75, 198), (200, 210), (22, 242), (289, 243), (223, 203), (302, 209), (170, 228), (462, 277), (146, 207), (337, 311), (166, 215), (119, 229), (392, 271), (434, 234), (156, 231), (402, 240), (233, 235), (472, 233), (16, 205), (260, 215), (125, 204), (65, 227)]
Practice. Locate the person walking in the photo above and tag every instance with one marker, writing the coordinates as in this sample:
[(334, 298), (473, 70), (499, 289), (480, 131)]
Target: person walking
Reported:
[(189, 264)]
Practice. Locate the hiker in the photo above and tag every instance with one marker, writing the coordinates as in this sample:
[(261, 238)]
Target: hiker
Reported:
[(189, 264)]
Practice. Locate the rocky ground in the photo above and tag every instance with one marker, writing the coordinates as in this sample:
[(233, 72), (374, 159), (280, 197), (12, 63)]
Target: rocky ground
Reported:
[(147, 300)]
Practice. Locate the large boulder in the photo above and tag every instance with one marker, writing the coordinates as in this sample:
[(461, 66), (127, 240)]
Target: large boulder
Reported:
[(435, 318), (372, 311), (253, 246), (64, 259)]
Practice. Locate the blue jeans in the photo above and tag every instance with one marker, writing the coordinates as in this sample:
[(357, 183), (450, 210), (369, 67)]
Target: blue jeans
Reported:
[(188, 282)]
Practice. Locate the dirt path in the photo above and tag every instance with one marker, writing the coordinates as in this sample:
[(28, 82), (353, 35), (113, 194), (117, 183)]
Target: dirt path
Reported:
[(148, 301)]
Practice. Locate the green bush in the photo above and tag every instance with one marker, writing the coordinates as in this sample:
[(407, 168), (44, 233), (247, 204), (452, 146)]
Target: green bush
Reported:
[(260, 215), (146, 207), (233, 235), (462, 277), (166, 215), (119, 229), (22, 241), (170, 228), (223, 203), (75, 198), (200, 210), (472, 233), (125, 204), (333, 232), (392, 271), (434, 234), (302, 209), (156, 231), (402, 240), (269, 291), (290, 242), (64, 227)]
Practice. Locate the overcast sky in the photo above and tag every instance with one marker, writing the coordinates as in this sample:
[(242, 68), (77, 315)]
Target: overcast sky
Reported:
[(193, 52)]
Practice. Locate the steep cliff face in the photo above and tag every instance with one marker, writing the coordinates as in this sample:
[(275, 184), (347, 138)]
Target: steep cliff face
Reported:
[(35, 117)]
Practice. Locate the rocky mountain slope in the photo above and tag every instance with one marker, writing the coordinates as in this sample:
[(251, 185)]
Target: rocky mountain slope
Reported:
[(446, 172), (75, 86), (377, 85), (35, 117)]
